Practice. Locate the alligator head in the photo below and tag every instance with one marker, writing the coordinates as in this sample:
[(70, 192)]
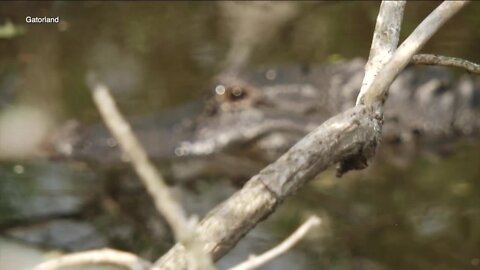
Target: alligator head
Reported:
[(257, 116), (265, 112)]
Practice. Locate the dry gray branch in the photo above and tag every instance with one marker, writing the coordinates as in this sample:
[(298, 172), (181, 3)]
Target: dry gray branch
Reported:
[(151, 178), (101, 256), (377, 93), (342, 136), (258, 260), (384, 41), (352, 133), (439, 60)]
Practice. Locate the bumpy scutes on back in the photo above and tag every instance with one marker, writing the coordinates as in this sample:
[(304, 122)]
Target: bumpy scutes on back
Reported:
[(267, 111)]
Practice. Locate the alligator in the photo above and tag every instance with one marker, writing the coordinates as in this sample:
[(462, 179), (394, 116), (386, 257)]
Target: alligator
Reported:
[(251, 118), (247, 120)]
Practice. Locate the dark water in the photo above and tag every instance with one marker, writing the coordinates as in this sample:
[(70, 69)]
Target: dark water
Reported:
[(159, 55)]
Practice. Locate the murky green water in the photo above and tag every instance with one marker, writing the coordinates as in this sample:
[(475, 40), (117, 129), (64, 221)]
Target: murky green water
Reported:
[(160, 55)]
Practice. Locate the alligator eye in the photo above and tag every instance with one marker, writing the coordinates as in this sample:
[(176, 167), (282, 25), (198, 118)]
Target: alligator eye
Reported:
[(234, 96), (236, 93)]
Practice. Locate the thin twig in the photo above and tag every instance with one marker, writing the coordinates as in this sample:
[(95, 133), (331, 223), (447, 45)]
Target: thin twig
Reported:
[(384, 42), (151, 178), (378, 91), (439, 60), (101, 256), (256, 261)]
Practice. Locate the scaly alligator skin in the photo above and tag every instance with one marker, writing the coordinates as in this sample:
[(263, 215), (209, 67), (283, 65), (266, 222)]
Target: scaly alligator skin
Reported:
[(257, 116)]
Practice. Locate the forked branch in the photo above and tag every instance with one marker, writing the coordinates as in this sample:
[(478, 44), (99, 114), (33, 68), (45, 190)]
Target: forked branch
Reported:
[(378, 91), (355, 132)]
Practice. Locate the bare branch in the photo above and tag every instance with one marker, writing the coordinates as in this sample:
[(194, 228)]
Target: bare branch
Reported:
[(351, 133), (256, 261), (151, 178), (102, 256), (384, 42), (432, 59), (377, 92), (342, 136)]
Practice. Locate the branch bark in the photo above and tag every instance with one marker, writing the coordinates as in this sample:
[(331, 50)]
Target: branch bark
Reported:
[(102, 256), (439, 60), (345, 135), (384, 42)]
